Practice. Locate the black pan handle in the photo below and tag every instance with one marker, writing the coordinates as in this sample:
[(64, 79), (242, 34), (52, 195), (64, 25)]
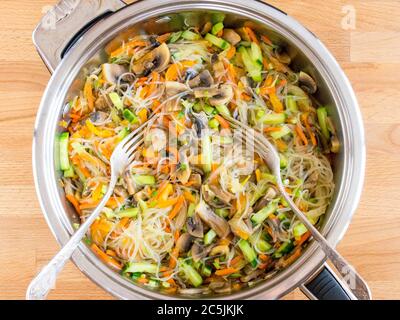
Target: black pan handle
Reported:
[(325, 285)]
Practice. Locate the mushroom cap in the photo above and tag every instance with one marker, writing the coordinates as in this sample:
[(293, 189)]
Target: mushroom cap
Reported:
[(203, 79), (184, 242), (215, 222), (307, 83), (173, 88), (112, 71), (223, 95), (231, 36), (194, 226), (155, 60)]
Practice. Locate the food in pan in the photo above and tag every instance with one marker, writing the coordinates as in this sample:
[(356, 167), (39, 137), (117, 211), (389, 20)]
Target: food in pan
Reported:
[(198, 211)]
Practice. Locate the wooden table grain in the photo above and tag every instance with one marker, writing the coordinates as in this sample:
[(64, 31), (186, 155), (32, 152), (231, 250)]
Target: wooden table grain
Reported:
[(369, 52)]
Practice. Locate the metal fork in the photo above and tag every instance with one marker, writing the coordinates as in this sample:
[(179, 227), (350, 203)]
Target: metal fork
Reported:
[(120, 159), (266, 150)]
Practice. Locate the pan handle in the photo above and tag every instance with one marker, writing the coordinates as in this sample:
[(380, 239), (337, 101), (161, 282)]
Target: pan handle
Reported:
[(63, 25), (325, 285)]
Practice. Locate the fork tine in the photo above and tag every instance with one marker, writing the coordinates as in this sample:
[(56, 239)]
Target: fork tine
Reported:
[(133, 150)]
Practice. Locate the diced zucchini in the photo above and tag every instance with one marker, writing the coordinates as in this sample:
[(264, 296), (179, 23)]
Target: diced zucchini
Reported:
[(213, 123), (128, 213), (248, 252), (208, 109), (299, 230), (265, 212), (189, 35), (141, 267), (64, 157), (209, 237), (285, 247), (223, 109), (256, 53), (217, 28), (123, 133), (190, 273), (268, 176), (116, 100), (283, 161), (191, 210), (218, 42), (175, 37), (274, 118), (144, 180), (223, 213), (291, 104), (284, 130), (70, 172), (130, 116), (263, 245), (206, 271), (252, 67), (322, 114)]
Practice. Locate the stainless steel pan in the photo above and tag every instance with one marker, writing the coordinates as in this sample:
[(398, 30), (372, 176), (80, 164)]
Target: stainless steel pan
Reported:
[(74, 35)]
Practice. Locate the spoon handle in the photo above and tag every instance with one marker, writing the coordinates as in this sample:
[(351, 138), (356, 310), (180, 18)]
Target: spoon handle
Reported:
[(354, 281), (45, 280)]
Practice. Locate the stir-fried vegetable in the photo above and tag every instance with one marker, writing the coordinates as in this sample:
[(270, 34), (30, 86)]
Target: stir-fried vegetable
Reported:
[(198, 210)]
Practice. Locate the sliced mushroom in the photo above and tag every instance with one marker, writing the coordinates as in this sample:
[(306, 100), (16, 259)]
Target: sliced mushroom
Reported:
[(173, 88), (254, 274), (195, 180), (183, 173), (307, 83), (269, 195), (215, 222), (129, 183), (155, 60), (99, 117), (302, 99), (197, 252), (224, 196), (184, 242), (247, 85), (101, 103), (223, 95), (204, 79), (194, 226), (218, 69), (239, 227), (206, 28), (231, 36), (282, 55), (112, 72), (157, 138), (222, 250), (335, 144), (180, 219)]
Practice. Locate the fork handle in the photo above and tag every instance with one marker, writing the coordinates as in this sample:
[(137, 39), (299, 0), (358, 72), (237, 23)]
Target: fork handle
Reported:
[(354, 281), (45, 280)]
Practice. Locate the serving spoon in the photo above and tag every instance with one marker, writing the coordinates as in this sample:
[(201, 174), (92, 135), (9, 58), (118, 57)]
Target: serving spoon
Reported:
[(267, 151)]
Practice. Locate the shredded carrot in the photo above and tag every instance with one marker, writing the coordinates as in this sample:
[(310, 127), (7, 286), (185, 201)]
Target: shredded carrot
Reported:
[(224, 124), (231, 52), (177, 207), (142, 114), (88, 93), (251, 34), (272, 129), (107, 259), (263, 257), (236, 260), (292, 258), (225, 272), (276, 103), (143, 280), (97, 192), (189, 197), (71, 198), (303, 238), (164, 37), (166, 203), (176, 69), (176, 235), (301, 134), (266, 39), (173, 258), (258, 175), (128, 48), (281, 145), (304, 117)]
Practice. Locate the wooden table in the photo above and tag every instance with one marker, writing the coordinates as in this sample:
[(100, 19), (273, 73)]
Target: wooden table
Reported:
[(370, 55)]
